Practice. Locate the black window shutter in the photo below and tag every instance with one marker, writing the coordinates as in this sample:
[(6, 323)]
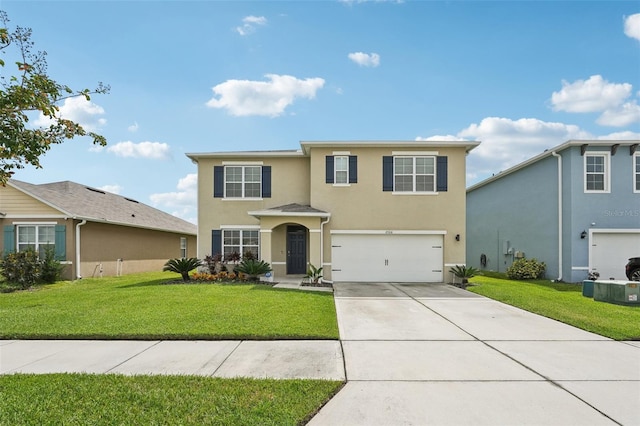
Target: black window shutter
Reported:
[(441, 178), (387, 173), (218, 181), (216, 242), (266, 181), (329, 169), (353, 169)]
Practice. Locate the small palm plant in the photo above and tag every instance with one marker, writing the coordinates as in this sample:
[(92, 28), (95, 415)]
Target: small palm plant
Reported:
[(182, 266), (253, 268), (464, 273), (314, 274)]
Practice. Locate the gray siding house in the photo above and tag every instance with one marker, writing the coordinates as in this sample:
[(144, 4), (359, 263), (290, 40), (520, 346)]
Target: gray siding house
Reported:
[(575, 207)]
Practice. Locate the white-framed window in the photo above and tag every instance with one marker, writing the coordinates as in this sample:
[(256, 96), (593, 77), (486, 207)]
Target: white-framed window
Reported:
[(183, 247), (636, 172), (341, 169), (36, 237), (240, 241), (414, 174), (243, 181), (596, 172)]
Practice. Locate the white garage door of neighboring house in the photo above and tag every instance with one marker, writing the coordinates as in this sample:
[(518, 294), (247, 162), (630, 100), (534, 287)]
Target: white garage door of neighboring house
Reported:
[(610, 251), (390, 257)]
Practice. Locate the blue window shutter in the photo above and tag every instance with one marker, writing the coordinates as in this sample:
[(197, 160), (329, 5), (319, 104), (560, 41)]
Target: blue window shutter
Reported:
[(61, 242), (266, 181), (9, 238), (441, 178), (329, 169), (216, 242), (218, 181), (387, 173), (353, 169)]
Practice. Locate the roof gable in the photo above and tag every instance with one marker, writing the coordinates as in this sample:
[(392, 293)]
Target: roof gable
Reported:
[(83, 202)]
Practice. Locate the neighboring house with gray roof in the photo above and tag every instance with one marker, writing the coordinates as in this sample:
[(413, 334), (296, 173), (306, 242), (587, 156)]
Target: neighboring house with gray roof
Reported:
[(93, 232)]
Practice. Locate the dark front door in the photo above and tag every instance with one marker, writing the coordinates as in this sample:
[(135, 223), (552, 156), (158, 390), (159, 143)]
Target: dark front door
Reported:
[(296, 250)]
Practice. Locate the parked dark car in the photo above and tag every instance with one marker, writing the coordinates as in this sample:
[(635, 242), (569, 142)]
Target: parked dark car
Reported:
[(633, 269)]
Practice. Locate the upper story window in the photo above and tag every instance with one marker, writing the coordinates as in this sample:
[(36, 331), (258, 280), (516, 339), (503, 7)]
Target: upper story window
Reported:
[(596, 172), (636, 173), (341, 169), (414, 174), (242, 181), (38, 238)]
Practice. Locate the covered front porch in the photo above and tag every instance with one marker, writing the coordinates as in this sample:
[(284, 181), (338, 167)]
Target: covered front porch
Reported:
[(291, 238)]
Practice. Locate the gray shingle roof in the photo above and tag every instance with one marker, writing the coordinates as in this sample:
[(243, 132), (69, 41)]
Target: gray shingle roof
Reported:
[(84, 202)]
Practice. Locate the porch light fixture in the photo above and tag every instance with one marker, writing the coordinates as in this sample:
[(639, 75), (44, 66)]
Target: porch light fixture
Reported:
[(457, 237), (583, 235)]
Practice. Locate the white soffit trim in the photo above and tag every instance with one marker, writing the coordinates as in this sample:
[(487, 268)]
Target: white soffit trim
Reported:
[(35, 222), (242, 163), (341, 152), (266, 213), (239, 226), (387, 232), (402, 153)]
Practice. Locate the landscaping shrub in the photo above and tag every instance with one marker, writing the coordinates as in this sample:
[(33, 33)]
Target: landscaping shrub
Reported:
[(526, 269), (253, 268), (51, 269), (22, 268), (182, 266)]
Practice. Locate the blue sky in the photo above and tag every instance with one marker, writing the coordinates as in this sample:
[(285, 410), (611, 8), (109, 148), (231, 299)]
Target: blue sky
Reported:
[(203, 76)]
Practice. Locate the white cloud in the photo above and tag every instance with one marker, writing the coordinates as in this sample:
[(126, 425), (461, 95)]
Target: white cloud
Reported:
[(365, 59), (592, 95), (449, 138), (621, 116), (114, 189), (151, 150), (265, 98), (632, 26), (182, 203), (79, 110), (249, 24), (134, 127), (625, 135)]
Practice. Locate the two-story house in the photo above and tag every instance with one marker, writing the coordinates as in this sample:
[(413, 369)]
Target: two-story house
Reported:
[(576, 207), (364, 210)]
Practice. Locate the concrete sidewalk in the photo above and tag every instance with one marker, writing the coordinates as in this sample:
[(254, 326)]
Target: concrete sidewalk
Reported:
[(289, 359), (435, 354)]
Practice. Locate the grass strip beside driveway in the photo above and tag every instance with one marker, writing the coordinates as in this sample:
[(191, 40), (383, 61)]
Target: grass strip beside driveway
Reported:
[(144, 307), (563, 302), (81, 399)]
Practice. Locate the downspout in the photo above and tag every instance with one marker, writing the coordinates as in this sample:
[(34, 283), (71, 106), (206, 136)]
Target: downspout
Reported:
[(78, 274), (322, 224), (559, 157)]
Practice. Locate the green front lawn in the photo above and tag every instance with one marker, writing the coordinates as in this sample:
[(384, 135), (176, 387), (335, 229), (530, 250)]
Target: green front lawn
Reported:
[(563, 302), (83, 399), (144, 306)]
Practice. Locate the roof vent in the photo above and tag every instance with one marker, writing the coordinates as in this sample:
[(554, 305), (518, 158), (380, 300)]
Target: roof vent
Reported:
[(95, 190)]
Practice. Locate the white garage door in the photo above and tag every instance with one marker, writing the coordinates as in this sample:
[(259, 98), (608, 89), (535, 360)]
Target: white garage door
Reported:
[(387, 257), (610, 252)]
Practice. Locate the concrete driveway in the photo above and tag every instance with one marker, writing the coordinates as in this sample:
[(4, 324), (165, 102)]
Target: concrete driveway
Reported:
[(419, 354)]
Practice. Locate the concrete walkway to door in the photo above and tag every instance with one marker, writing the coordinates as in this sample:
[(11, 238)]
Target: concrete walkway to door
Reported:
[(439, 355)]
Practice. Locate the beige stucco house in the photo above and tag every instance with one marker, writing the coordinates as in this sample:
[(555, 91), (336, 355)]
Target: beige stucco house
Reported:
[(364, 210), (93, 232)]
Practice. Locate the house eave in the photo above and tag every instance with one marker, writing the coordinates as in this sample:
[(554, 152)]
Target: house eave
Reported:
[(549, 152), (468, 145)]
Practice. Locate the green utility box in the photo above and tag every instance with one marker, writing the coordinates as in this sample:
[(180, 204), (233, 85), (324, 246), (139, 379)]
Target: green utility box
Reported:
[(587, 288), (618, 292)]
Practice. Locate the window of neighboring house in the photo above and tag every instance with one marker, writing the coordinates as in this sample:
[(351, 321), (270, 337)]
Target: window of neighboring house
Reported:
[(243, 181), (36, 237), (596, 172), (183, 247), (341, 169), (414, 174), (636, 174), (240, 241)]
